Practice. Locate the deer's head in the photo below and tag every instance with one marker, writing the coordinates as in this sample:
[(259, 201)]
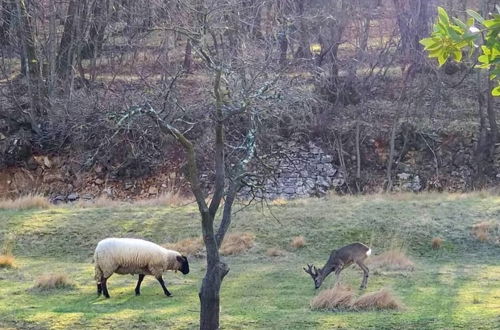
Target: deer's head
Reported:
[(315, 274)]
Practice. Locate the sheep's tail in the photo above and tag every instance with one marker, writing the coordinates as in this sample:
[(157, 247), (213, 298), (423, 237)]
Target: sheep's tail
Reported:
[(98, 270)]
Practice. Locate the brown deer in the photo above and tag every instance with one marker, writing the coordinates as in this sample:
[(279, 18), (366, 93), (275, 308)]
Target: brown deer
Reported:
[(339, 260)]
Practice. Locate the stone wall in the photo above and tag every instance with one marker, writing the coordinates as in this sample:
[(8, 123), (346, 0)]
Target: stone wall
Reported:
[(301, 171)]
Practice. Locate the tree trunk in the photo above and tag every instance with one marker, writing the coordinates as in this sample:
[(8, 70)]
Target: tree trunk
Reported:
[(210, 287), (412, 17), (487, 6), (490, 109), (303, 49), (7, 14), (97, 29), (188, 57), (283, 46), (32, 65), (70, 40)]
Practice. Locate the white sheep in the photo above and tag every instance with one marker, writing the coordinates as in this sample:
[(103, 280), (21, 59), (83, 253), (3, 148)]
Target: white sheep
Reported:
[(134, 256)]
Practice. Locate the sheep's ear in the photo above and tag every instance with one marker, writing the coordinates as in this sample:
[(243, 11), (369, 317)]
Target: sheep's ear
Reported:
[(180, 259)]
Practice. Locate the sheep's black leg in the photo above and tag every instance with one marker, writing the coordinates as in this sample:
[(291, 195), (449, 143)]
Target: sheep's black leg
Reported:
[(138, 287), (99, 289), (104, 286), (160, 279)]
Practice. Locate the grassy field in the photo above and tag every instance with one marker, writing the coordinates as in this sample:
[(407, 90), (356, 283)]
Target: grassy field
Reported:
[(456, 286)]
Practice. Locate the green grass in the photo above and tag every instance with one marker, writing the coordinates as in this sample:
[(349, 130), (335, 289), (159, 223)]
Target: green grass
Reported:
[(457, 286)]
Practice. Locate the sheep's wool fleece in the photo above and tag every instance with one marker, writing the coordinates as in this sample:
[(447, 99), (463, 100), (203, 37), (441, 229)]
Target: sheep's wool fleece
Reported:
[(133, 256)]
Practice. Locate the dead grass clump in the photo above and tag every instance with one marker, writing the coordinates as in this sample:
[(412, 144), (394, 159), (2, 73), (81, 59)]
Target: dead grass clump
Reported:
[(25, 203), (52, 281), (486, 231), (298, 242), (338, 297), (7, 261), (391, 260), (170, 198), (274, 252), (236, 243), (437, 243), (279, 202), (100, 202), (192, 246), (382, 299)]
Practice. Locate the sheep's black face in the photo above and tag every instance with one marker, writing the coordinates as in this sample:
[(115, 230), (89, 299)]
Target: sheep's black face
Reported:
[(184, 268)]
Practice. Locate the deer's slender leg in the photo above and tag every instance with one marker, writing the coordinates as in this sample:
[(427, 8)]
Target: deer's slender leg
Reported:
[(365, 276), (337, 276)]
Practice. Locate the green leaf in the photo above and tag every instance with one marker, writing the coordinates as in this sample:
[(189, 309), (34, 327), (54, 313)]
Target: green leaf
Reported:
[(486, 50), (484, 59), (461, 24), (442, 59), (475, 15), (458, 55), (491, 23), (496, 91), (427, 42), (443, 16)]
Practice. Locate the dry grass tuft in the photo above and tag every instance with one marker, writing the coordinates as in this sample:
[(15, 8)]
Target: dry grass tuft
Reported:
[(298, 242), (391, 260), (382, 299), (25, 203), (52, 281), (100, 202), (7, 261), (487, 231), (437, 243), (338, 297), (236, 243), (279, 202), (275, 252), (192, 246), (170, 198)]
